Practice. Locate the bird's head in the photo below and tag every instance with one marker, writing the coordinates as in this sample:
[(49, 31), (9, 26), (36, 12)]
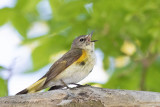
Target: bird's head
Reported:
[(84, 42)]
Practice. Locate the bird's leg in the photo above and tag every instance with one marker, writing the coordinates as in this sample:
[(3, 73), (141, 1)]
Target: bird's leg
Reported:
[(64, 84), (56, 87)]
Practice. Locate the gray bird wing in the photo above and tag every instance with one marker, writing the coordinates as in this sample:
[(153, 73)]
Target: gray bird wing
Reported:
[(60, 65)]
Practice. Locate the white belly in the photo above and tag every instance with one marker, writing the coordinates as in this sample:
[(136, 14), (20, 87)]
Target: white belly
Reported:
[(75, 72)]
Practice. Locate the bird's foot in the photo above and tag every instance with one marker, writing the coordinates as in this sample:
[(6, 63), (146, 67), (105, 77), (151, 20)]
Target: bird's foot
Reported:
[(79, 85), (56, 87)]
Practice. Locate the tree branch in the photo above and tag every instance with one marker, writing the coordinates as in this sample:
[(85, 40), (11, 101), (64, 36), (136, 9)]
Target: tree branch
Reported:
[(83, 97)]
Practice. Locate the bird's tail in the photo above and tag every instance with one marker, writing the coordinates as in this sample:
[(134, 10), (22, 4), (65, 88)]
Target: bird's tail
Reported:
[(34, 87)]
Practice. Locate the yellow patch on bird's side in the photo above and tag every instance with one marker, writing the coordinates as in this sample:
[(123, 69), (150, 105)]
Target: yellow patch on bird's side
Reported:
[(82, 57), (36, 85)]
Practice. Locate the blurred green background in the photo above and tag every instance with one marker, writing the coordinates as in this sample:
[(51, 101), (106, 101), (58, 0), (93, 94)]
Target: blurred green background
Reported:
[(127, 30)]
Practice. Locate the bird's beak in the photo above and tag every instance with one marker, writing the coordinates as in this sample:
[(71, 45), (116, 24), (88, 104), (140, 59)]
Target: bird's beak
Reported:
[(90, 36)]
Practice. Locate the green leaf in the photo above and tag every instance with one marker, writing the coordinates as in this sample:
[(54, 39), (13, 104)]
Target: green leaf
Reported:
[(3, 88), (21, 23), (58, 6), (6, 14), (26, 5)]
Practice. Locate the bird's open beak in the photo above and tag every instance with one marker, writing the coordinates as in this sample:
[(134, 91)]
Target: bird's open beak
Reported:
[(90, 36)]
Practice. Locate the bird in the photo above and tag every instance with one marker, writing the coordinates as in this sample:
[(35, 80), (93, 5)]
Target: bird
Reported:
[(71, 68)]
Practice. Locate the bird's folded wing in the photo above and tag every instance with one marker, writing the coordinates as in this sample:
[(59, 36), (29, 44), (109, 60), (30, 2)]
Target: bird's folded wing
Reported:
[(60, 65)]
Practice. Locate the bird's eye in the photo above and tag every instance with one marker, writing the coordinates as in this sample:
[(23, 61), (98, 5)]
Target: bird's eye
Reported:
[(81, 40)]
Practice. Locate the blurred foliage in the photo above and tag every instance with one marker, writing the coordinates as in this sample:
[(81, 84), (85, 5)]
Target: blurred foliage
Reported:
[(3, 87), (117, 22), (2, 68)]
